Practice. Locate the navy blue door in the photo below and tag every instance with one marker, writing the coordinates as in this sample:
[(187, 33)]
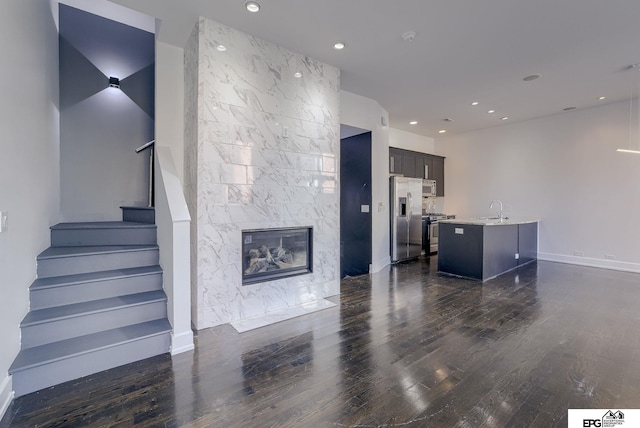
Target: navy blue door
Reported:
[(355, 205)]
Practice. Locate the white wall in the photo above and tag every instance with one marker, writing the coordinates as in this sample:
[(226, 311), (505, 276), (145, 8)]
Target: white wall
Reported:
[(173, 220), (173, 227), (366, 113), (563, 169), (29, 164), (115, 12), (406, 140), (169, 120)]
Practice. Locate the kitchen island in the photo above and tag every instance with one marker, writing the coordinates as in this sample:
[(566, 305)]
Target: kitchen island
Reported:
[(483, 248)]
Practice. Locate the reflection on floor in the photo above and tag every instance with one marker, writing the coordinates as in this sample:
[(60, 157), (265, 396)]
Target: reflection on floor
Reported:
[(403, 347)]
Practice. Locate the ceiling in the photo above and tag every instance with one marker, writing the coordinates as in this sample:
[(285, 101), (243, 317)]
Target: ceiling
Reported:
[(464, 51)]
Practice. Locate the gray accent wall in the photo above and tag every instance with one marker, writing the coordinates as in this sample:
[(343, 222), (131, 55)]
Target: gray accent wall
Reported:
[(261, 151), (29, 162), (100, 127)]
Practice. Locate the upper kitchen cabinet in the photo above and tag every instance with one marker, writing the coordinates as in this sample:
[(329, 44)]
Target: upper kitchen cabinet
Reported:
[(395, 161), (409, 165), (417, 165), (427, 167), (436, 172)]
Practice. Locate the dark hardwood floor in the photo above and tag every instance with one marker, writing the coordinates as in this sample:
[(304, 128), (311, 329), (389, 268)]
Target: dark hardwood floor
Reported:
[(404, 347)]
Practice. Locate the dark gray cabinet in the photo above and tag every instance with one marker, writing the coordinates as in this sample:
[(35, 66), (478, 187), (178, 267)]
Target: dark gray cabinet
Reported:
[(409, 165), (415, 164), (527, 243), (484, 252), (395, 161), (425, 165), (436, 172)]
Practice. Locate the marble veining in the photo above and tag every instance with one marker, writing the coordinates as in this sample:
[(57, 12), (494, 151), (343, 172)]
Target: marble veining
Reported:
[(251, 323), (492, 221), (262, 152)]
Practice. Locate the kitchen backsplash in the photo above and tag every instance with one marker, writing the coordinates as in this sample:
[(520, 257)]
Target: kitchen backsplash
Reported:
[(432, 205)]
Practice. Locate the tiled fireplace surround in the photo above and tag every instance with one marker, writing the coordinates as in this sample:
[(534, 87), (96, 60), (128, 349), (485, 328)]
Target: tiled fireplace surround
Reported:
[(261, 151)]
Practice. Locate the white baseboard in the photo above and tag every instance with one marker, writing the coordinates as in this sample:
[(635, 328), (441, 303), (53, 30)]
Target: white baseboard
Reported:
[(378, 265), (182, 342), (6, 395), (586, 261)]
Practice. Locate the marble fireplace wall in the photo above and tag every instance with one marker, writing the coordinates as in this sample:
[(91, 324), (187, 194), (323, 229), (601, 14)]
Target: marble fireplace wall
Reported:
[(261, 151)]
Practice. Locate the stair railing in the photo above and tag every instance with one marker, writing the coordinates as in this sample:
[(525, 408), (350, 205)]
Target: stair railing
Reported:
[(150, 146)]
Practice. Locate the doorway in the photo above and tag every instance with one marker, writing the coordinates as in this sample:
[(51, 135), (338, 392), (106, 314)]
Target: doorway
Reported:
[(355, 204)]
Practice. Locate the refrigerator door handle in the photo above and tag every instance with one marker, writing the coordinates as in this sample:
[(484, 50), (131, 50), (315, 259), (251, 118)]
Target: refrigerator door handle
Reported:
[(409, 216)]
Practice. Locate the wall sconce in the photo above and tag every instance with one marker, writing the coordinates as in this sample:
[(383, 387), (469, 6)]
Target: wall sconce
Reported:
[(114, 82)]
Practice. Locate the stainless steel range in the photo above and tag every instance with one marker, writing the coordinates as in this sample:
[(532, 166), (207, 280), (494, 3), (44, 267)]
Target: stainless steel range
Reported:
[(431, 230)]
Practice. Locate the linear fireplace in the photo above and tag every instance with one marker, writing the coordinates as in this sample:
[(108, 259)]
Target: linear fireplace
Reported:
[(269, 254)]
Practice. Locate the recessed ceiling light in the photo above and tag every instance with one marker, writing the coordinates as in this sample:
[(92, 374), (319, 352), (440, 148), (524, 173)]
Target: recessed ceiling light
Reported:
[(413, 122), (442, 131), (602, 98), (297, 74), (504, 118), (531, 77), (339, 45), (491, 111), (475, 103), (568, 108), (409, 36), (447, 119), (252, 6), (221, 48)]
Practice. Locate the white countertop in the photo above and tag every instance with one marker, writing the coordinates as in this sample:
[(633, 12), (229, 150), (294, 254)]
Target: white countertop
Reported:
[(484, 221)]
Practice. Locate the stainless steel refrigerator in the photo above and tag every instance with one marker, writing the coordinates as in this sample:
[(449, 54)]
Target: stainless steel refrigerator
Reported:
[(406, 218)]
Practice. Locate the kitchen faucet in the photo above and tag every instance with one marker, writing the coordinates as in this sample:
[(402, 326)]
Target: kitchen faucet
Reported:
[(499, 212)]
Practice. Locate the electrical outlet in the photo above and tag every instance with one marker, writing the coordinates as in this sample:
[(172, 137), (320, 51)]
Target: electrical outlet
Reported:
[(4, 215), (609, 257), (578, 253)]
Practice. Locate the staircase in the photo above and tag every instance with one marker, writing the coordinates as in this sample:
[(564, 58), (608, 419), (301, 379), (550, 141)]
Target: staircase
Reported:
[(98, 303)]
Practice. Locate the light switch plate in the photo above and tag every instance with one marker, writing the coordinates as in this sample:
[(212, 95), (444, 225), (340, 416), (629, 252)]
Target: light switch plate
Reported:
[(4, 215), (364, 208), (459, 231)]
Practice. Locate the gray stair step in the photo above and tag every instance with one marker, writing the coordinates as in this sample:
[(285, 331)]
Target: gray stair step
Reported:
[(65, 322), (139, 214), (103, 233), (43, 366), (84, 287), (59, 261)]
